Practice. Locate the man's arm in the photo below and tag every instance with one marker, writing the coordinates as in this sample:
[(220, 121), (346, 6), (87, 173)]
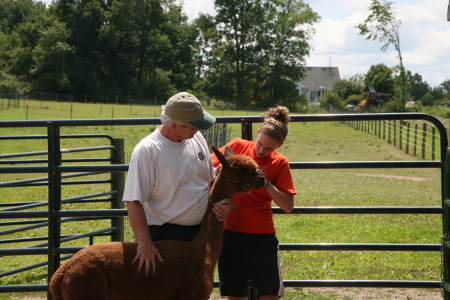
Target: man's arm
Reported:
[(147, 253)]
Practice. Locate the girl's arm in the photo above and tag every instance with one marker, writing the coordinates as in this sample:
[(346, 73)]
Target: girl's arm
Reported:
[(283, 200)]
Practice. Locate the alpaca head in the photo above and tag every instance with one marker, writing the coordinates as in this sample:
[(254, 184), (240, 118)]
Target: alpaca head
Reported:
[(240, 171)]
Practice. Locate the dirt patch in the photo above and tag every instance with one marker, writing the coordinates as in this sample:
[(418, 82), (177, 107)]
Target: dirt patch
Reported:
[(396, 177), (378, 293), (346, 293)]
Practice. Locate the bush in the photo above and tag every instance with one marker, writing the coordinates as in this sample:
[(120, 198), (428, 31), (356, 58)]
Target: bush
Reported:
[(354, 99), (393, 106), (427, 100), (332, 98)]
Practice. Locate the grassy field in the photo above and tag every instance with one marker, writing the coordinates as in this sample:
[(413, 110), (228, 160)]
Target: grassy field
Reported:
[(324, 141)]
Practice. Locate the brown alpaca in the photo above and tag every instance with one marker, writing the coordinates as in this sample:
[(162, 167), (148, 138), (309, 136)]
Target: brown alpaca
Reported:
[(105, 271)]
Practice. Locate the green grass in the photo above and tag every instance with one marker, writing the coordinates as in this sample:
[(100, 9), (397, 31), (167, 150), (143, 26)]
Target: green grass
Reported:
[(322, 141)]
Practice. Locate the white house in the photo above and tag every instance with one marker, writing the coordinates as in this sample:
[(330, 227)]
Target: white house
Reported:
[(318, 81)]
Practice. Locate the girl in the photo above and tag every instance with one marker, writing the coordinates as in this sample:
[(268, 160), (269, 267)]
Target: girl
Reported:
[(250, 247)]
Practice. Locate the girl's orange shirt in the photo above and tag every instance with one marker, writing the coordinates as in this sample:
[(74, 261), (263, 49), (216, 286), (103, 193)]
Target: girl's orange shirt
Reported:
[(252, 212)]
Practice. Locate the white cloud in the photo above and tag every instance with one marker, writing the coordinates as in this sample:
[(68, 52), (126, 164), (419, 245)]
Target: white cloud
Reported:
[(424, 38), (193, 7)]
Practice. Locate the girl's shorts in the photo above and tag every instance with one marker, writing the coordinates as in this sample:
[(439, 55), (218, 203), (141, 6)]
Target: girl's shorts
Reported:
[(250, 256)]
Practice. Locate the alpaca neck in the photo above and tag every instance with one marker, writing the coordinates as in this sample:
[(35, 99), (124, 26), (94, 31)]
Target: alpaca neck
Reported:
[(211, 229)]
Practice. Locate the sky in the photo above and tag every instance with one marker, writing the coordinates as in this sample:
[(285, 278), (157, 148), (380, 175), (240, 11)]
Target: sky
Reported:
[(424, 37)]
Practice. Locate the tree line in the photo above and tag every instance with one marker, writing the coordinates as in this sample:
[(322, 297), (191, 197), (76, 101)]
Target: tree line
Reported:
[(251, 51)]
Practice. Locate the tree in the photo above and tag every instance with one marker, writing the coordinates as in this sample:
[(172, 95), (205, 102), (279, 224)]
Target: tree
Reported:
[(382, 25), (261, 44), (214, 69), (51, 59), (427, 100), (381, 78), (332, 98), (239, 22), (417, 87), (345, 88), (357, 78), (438, 93), (446, 86), (284, 46), (14, 13), (20, 24), (138, 47)]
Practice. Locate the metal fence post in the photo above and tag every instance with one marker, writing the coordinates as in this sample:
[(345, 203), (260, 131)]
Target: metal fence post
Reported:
[(424, 139), (118, 185), (445, 284), (54, 200)]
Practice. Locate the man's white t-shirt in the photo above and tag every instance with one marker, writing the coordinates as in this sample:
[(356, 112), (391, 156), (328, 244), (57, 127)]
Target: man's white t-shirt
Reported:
[(171, 180)]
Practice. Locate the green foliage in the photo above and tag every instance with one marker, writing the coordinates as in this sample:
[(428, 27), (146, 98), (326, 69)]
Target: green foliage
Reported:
[(439, 92), (427, 100), (334, 99), (346, 88), (383, 26), (381, 78), (52, 64), (446, 86), (417, 87), (10, 84), (15, 13), (147, 49), (284, 46), (394, 105), (255, 50), (353, 99)]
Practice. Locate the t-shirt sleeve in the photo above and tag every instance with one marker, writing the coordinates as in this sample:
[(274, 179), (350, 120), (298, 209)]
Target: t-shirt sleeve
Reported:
[(139, 179), (284, 180)]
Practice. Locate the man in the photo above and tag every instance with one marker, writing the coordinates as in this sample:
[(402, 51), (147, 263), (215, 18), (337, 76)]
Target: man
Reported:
[(169, 179)]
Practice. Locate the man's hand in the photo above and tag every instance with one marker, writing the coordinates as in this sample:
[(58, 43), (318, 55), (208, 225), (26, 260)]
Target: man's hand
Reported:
[(223, 208), (147, 254)]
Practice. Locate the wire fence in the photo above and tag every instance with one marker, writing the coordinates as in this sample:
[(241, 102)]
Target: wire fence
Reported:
[(42, 106), (415, 137)]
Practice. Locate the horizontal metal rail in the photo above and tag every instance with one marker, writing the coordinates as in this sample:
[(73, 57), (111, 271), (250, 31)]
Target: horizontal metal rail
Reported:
[(44, 161), (37, 153), (286, 247), (66, 200), (363, 210), (32, 180), (360, 247), (359, 284), (42, 224), (294, 165)]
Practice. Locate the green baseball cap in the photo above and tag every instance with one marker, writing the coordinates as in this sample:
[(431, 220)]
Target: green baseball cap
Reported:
[(186, 107)]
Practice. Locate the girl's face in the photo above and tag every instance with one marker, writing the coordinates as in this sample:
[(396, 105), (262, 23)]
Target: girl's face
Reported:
[(265, 145)]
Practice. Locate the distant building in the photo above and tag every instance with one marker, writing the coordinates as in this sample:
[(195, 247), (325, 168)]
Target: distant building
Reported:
[(318, 81)]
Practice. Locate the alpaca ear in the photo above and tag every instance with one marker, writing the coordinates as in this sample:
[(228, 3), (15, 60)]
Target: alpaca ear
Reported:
[(228, 151), (221, 157)]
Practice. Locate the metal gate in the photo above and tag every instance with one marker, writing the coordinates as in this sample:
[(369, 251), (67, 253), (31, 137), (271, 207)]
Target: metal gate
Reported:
[(55, 169)]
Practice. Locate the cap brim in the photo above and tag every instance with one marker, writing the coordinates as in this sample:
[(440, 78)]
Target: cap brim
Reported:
[(205, 122)]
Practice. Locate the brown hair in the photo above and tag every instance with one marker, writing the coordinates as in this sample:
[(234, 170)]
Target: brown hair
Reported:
[(275, 123)]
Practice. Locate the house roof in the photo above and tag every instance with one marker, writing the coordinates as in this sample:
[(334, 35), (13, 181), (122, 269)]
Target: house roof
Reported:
[(317, 77)]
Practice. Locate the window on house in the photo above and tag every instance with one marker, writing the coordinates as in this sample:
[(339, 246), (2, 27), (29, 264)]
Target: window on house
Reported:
[(313, 95)]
